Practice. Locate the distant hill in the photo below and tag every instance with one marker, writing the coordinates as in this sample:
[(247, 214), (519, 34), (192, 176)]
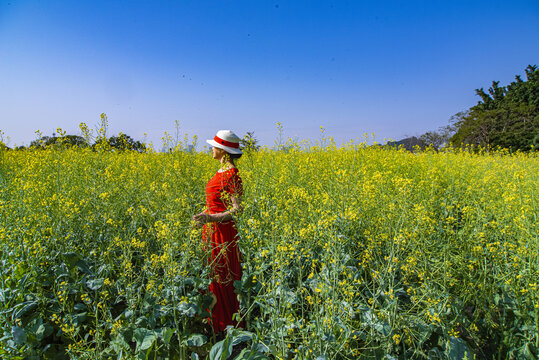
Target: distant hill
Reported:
[(408, 143)]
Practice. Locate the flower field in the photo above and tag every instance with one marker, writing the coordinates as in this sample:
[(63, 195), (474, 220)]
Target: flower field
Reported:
[(349, 253)]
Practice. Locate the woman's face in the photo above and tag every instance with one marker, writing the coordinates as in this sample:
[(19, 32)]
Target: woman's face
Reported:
[(218, 153)]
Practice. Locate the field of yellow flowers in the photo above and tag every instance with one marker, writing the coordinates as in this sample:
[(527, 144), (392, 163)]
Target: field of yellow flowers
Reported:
[(350, 252)]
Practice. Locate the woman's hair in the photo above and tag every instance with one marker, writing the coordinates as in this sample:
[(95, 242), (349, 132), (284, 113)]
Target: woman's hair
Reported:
[(234, 156)]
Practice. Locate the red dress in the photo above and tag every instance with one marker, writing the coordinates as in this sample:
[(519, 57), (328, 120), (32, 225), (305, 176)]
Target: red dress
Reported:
[(225, 260)]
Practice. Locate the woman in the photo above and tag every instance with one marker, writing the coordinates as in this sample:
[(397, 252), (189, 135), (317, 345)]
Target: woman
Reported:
[(223, 194)]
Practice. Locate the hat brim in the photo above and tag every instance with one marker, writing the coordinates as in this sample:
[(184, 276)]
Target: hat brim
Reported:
[(228, 149)]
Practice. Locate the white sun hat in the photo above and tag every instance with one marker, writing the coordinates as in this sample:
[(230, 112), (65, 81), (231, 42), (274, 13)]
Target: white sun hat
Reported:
[(226, 140)]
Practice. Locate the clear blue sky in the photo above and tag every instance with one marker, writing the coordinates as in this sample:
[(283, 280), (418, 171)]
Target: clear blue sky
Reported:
[(396, 68)]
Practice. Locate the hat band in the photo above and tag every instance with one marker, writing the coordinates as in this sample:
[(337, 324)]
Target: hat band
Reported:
[(226, 143)]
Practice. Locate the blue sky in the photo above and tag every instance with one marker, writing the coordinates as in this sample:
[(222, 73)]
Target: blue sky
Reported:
[(395, 68)]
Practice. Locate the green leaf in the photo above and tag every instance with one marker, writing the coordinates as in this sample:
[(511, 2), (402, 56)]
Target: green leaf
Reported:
[(30, 306), (121, 342), (188, 309), (84, 267), (238, 285), (196, 340), (147, 342), (383, 328), (221, 350), (43, 331), (529, 352), (127, 334), (458, 349), (244, 355), (241, 336), (249, 354), (143, 355), (144, 338), (167, 335), (194, 356), (216, 350), (263, 348), (40, 332), (128, 314), (80, 307), (95, 284), (142, 321), (19, 335), (79, 319), (71, 259)]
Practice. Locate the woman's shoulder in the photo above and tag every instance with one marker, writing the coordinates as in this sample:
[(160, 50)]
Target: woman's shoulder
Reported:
[(233, 181), (232, 173), (228, 172), (229, 175)]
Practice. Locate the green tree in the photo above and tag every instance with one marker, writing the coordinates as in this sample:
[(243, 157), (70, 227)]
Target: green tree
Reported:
[(125, 142), (443, 135), (506, 116), (63, 140), (249, 142)]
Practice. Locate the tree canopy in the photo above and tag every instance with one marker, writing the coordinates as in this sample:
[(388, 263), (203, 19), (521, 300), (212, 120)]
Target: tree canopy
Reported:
[(124, 142), (65, 140), (121, 142), (506, 116)]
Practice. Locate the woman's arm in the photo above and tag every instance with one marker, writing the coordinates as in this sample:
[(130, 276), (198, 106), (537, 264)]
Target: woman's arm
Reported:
[(203, 217)]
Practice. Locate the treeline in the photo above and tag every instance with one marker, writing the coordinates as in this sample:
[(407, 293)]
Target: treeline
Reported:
[(505, 117), (119, 142), (60, 139)]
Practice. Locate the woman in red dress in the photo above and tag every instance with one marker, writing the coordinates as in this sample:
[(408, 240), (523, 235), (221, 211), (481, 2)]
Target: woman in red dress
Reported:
[(223, 193)]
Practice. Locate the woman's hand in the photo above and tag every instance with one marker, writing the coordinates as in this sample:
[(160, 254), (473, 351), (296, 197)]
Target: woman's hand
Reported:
[(202, 218)]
